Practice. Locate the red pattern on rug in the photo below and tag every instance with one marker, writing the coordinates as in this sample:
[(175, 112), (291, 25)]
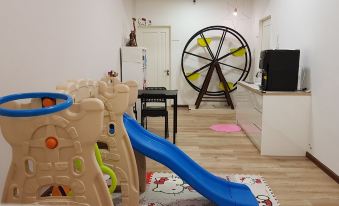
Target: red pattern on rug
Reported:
[(167, 189)]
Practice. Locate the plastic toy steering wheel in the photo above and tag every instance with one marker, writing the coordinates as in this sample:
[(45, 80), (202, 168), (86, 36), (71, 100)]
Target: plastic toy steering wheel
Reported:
[(35, 112)]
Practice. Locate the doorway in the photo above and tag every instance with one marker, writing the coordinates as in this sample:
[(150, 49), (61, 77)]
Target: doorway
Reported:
[(156, 40), (263, 43), (265, 33)]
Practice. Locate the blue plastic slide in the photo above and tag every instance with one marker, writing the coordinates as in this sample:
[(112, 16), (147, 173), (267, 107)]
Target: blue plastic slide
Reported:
[(216, 189)]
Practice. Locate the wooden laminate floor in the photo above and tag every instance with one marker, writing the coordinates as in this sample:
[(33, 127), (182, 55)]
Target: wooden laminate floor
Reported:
[(294, 180)]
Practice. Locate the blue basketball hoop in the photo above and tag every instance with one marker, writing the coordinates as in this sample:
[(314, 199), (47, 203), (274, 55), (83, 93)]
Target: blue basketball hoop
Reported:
[(35, 112)]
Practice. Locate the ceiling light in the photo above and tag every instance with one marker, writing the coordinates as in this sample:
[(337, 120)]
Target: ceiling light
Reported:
[(235, 12)]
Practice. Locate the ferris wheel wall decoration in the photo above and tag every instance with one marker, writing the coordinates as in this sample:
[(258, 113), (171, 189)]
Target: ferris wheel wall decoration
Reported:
[(213, 61)]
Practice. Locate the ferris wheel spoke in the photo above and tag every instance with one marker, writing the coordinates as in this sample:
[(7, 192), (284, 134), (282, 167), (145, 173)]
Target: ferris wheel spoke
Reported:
[(237, 68), (198, 56), (229, 54), (198, 70), (207, 46), (220, 44)]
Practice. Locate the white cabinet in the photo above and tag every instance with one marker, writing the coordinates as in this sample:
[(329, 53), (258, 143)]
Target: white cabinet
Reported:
[(133, 65), (278, 123)]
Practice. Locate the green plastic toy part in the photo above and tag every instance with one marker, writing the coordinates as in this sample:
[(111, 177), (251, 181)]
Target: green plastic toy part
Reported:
[(106, 170)]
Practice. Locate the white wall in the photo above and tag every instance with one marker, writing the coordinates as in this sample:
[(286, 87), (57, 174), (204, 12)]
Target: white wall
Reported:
[(312, 26), (291, 20), (185, 19), (45, 42)]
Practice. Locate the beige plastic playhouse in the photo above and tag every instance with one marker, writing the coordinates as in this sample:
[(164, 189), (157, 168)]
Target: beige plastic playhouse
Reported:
[(95, 117), (115, 147), (47, 151)]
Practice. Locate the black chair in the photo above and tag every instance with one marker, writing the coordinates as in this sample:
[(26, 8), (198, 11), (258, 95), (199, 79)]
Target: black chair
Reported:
[(158, 108)]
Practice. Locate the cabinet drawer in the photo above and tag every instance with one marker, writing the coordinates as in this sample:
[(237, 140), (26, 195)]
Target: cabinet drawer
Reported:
[(255, 114), (257, 101), (252, 131), (256, 118)]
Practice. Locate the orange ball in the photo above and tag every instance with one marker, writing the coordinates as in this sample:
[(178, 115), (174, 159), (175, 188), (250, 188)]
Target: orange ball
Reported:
[(48, 102), (51, 142)]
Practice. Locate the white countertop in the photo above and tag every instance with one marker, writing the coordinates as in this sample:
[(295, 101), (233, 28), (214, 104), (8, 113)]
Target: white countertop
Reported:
[(255, 88)]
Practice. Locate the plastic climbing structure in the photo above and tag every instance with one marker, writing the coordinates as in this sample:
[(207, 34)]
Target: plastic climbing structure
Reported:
[(53, 147), (113, 142)]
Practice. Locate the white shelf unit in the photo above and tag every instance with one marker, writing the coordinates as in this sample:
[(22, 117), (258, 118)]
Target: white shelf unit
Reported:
[(278, 123)]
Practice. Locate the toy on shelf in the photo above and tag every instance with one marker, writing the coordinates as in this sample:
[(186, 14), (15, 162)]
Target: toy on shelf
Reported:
[(53, 147), (114, 144), (132, 36), (143, 22), (113, 73)]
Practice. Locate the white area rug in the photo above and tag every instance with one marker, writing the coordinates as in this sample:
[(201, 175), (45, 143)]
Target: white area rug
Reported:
[(167, 189)]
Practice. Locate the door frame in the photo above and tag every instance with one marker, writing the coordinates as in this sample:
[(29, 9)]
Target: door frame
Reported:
[(169, 47), (261, 24), (258, 44)]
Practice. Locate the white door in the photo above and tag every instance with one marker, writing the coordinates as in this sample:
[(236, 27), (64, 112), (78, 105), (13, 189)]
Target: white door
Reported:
[(156, 40), (264, 43), (266, 34)]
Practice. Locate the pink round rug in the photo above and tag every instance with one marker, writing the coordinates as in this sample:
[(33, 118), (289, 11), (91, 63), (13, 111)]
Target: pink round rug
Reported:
[(225, 128)]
